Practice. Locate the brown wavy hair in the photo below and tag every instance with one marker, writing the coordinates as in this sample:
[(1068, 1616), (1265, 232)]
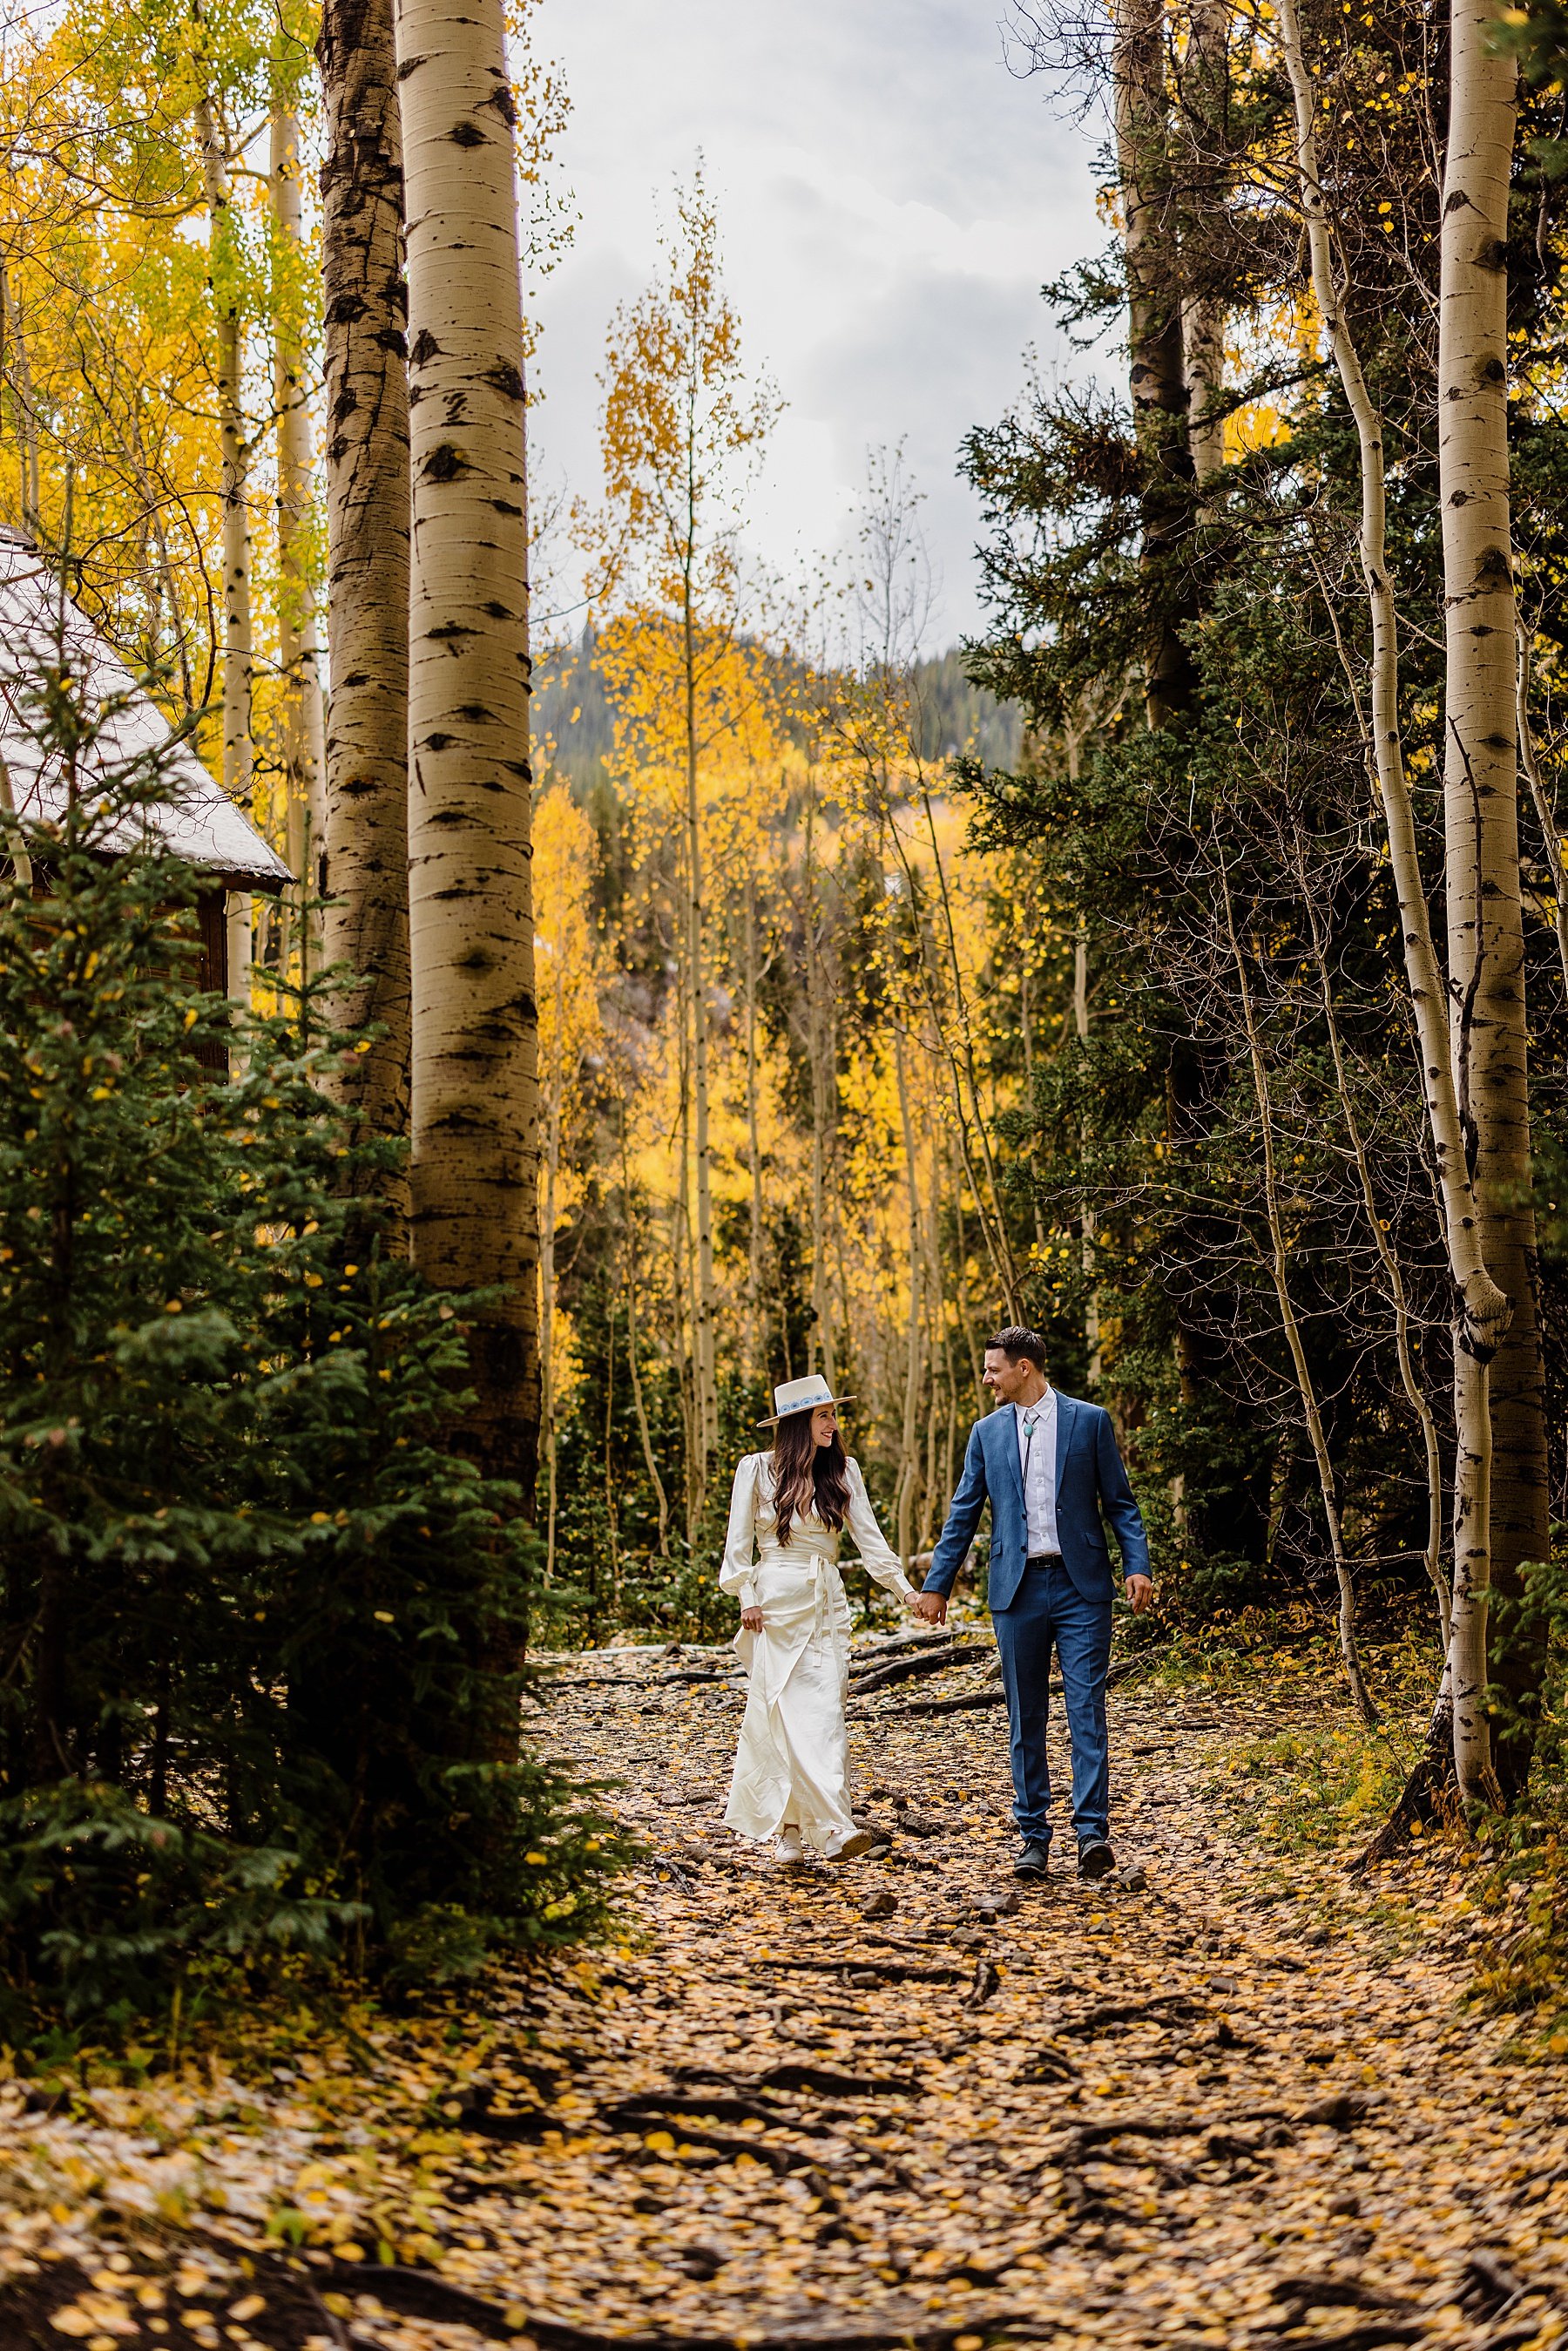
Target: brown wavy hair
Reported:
[(808, 1475)]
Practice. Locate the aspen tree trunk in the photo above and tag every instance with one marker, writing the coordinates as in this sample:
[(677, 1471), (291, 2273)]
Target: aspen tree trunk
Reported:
[(639, 1402), (683, 1262), (15, 371), (547, 1278), (1007, 1272), (1545, 814), (704, 1298), (366, 773), (756, 1327), (914, 1362), (12, 835), (474, 1112), (1081, 1029), (1026, 1037), (1306, 1387), (821, 1340), (1486, 931), (1485, 1308), (239, 755), (300, 729), (1157, 376), (1414, 1395), (239, 654), (1087, 1242)]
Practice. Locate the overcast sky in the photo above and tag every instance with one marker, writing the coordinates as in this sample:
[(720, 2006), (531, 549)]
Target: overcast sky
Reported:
[(890, 199)]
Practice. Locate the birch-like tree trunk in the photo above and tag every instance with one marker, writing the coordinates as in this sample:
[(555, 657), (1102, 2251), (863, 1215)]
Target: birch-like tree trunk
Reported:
[(17, 375), (1388, 1257), (474, 1088), (820, 1343), (1485, 1308), (552, 1107), (706, 1293), (239, 642), (1306, 1387), (1545, 812), (1485, 914), (300, 731), (366, 773), (915, 1354), (756, 1323), (239, 653)]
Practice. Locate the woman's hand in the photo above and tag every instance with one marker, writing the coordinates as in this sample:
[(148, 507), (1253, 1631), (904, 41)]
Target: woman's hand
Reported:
[(751, 1620), (909, 1599)]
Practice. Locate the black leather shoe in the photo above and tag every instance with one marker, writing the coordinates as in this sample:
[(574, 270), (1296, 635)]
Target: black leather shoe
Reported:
[(1096, 1859), (1033, 1859)]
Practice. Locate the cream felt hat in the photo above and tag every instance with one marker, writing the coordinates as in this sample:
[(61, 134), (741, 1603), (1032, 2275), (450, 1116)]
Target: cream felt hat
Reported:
[(800, 1395)]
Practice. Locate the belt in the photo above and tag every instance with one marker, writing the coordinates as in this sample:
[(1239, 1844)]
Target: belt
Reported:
[(1044, 1559)]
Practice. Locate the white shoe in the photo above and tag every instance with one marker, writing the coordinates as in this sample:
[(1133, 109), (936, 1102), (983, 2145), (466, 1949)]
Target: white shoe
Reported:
[(847, 1845), (787, 1851)]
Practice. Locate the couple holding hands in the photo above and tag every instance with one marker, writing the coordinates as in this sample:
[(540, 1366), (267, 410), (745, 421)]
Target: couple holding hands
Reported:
[(1049, 1467)]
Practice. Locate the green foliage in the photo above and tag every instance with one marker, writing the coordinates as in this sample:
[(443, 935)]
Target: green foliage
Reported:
[(262, 1621)]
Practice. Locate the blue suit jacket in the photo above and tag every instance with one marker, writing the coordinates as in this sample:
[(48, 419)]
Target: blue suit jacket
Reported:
[(1089, 1479)]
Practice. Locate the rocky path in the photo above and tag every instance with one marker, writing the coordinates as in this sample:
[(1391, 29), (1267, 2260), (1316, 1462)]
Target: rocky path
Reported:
[(1208, 2101)]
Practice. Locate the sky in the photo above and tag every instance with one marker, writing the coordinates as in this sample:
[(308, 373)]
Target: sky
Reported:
[(891, 200)]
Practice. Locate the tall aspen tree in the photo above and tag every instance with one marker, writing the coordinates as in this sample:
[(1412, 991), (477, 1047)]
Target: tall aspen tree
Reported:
[(238, 767), (1484, 1308), (681, 431), (299, 677), (366, 772), (1500, 1405), (473, 1092)]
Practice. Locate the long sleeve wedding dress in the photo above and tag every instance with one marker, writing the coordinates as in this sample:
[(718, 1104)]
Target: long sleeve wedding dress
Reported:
[(792, 1760)]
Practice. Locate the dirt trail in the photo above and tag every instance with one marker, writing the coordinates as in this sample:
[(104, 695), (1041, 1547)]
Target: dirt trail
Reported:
[(1226, 2108)]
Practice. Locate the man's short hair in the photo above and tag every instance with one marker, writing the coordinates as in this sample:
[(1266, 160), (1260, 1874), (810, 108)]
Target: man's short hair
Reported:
[(1023, 1346)]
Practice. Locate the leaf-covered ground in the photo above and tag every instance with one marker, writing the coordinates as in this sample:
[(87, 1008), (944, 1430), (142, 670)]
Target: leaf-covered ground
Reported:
[(1240, 2103)]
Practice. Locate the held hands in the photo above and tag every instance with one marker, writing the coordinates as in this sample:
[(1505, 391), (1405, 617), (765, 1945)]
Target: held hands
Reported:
[(931, 1607)]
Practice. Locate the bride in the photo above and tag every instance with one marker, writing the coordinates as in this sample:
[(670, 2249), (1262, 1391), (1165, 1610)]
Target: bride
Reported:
[(792, 1760)]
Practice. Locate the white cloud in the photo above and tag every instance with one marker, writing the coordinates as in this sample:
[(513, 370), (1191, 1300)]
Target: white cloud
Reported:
[(891, 200)]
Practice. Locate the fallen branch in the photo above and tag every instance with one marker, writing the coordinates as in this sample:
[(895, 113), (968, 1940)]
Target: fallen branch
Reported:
[(880, 1967), (831, 2084), (1176, 2005), (924, 1661)]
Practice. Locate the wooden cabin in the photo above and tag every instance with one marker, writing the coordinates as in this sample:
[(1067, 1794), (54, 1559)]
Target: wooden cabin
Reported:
[(199, 824)]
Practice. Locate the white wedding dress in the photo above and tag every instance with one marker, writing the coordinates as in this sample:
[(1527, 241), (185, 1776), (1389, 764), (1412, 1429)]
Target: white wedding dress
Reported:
[(792, 1760)]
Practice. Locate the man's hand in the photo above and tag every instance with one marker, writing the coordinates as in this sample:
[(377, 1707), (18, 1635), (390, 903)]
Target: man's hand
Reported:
[(751, 1620), (931, 1607), (1139, 1592)]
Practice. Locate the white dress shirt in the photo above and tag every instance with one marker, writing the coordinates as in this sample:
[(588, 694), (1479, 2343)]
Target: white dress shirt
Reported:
[(1037, 1461)]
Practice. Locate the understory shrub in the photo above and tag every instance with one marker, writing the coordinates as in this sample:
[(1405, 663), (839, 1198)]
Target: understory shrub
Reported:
[(261, 1621)]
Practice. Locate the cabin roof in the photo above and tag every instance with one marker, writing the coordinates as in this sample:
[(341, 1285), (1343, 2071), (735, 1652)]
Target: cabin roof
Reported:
[(199, 824)]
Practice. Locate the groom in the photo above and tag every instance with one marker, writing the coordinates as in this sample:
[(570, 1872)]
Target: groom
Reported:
[(1047, 1464)]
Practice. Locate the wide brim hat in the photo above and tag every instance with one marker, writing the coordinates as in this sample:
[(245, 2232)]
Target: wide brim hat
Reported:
[(801, 1395)]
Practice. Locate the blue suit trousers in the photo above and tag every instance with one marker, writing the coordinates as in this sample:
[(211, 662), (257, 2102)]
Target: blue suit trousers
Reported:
[(1049, 1611)]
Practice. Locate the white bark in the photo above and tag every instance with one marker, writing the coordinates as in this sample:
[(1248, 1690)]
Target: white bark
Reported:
[(1305, 1385), (474, 1097), (1486, 935), (300, 727), (1486, 1309)]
